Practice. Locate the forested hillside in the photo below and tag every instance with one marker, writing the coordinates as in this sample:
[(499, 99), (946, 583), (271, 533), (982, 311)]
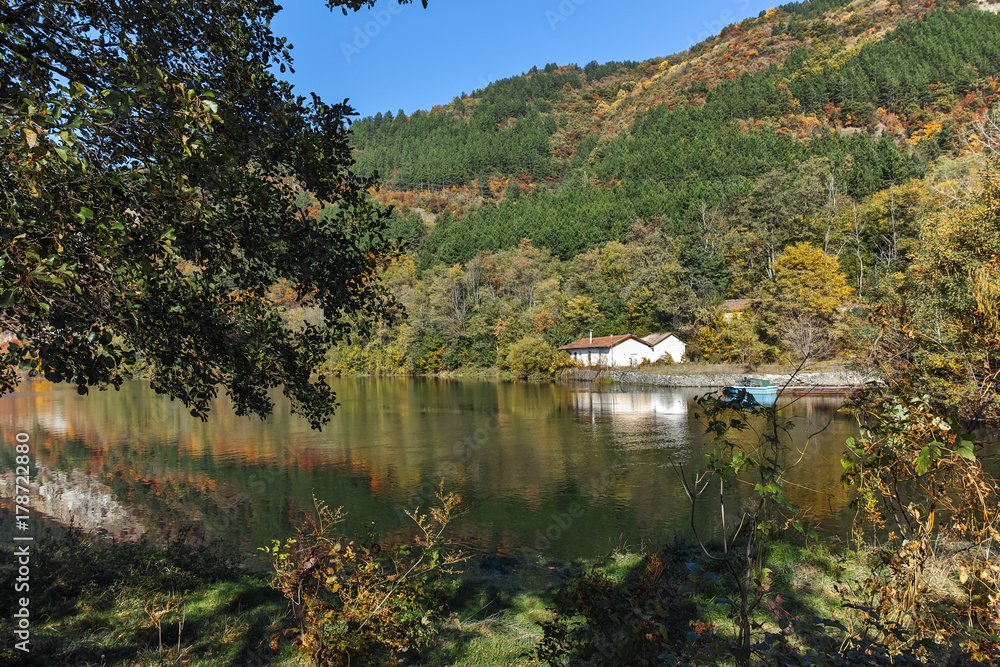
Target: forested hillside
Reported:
[(821, 139)]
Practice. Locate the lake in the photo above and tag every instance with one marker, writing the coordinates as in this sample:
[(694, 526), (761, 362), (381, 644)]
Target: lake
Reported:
[(564, 470)]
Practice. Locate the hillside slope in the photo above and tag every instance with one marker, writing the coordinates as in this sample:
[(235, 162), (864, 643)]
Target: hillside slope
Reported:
[(805, 67), (802, 158)]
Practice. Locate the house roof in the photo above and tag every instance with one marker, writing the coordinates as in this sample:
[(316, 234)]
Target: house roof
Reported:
[(657, 338), (735, 305), (604, 342)]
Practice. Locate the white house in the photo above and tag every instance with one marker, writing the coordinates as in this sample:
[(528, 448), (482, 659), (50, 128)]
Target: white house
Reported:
[(625, 350), (666, 343)]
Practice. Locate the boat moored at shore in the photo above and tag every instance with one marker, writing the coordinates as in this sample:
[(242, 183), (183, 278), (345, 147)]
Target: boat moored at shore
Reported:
[(750, 391)]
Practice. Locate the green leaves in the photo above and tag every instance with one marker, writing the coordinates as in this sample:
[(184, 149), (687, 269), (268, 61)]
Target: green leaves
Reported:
[(771, 488), (136, 200), (965, 447), (927, 456)]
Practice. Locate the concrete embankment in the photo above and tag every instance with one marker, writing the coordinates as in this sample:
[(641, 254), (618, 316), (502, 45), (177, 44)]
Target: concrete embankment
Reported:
[(803, 380)]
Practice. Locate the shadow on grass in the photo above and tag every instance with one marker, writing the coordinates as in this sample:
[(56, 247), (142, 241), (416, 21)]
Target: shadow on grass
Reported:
[(494, 612), (267, 614), (91, 600), (628, 609)]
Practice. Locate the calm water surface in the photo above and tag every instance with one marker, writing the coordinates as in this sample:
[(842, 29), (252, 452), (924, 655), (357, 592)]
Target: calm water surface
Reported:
[(563, 469)]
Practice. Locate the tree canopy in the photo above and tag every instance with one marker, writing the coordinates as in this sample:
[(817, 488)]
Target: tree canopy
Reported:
[(809, 282), (151, 163), (939, 321)]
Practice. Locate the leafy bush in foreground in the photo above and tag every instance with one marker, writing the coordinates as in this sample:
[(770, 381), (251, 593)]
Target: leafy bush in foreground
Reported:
[(357, 604)]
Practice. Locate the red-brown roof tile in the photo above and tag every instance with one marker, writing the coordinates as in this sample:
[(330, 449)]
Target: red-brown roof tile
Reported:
[(656, 338), (600, 342)]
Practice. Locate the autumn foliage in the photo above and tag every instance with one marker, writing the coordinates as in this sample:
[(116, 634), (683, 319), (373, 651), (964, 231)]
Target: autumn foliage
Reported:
[(362, 603)]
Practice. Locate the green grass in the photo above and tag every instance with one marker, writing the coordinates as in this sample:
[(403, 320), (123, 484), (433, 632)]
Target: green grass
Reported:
[(95, 602), (809, 580), (223, 624), (496, 611), (143, 605)]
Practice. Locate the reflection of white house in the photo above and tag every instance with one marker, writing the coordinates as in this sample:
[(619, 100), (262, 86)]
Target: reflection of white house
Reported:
[(643, 404), (642, 420), (626, 350)]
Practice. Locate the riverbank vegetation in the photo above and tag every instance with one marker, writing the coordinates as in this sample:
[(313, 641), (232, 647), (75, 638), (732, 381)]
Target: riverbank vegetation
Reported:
[(814, 160), (832, 163)]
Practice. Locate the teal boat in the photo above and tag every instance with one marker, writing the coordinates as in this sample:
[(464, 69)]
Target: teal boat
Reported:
[(750, 391)]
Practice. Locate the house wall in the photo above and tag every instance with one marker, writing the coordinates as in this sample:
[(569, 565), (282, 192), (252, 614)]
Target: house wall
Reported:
[(628, 353), (589, 356), (671, 345)]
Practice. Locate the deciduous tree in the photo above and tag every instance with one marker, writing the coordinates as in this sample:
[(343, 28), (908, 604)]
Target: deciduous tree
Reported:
[(809, 291), (151, 163), (809, 282), (940, 320)]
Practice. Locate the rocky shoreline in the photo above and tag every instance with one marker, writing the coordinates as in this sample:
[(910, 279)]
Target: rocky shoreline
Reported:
[(829, 379)]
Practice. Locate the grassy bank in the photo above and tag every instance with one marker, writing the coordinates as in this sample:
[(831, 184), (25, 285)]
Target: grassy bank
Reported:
[(96, 603)]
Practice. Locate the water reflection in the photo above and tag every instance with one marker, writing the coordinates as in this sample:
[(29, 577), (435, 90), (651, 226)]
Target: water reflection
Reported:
[(567, 470), (641, 420)]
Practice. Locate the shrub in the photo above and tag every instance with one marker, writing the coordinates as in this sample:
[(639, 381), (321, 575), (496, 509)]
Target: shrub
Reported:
[(362, 604), (532, 357)]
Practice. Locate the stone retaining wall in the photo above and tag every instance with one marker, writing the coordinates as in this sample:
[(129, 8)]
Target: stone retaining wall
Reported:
[(715, 381)]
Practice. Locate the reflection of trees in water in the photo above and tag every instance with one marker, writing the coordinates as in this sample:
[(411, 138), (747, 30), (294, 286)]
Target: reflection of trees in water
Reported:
[(520, 454)]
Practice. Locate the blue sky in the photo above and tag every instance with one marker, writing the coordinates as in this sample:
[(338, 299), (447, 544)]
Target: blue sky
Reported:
[(406, 57)]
